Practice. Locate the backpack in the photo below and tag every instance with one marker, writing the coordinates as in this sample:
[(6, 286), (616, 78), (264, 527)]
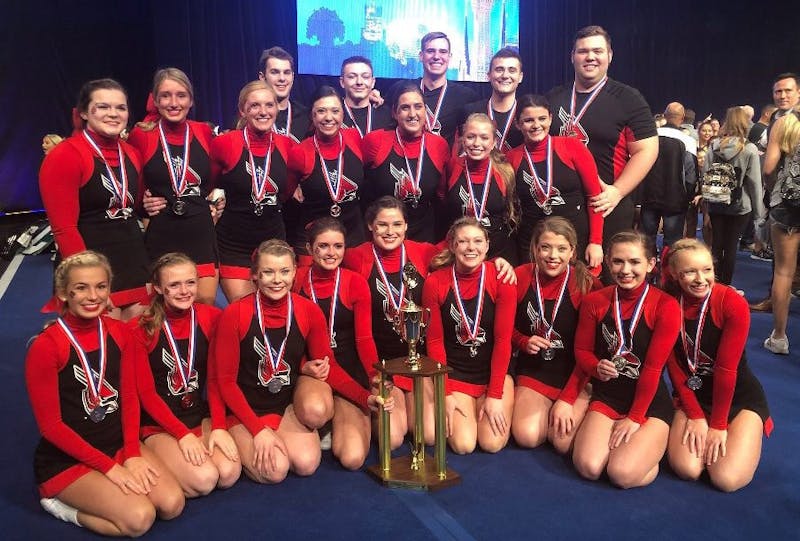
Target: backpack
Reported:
[(720, 181), (789, 176)]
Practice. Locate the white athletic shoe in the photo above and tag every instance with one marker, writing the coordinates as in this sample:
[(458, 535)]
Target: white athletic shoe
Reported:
[(325, 441), (60, 510), (777, 345)]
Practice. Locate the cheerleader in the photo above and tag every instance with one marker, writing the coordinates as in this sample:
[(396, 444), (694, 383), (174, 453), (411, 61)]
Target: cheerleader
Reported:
[(252, 161), (471, 322), (177, 170), (273, 358), (184, 429), (90, 187), (554, 176), (481, 184), (344, 298), (624, 337), (721, 408), (407, 162), (550, 398), (89, 464)]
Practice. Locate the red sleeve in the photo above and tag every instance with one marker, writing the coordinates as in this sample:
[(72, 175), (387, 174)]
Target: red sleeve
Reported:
[(299, 165), (452, 172), (45, 359), (593, 308), (438, 150), (353, 140), (356, 260), (209, 318), (284, 146), (205, 136), (362, 313), (131, 412), (514, 157), (135, 158), (505, 308), (735, 325), (144, 142), (666, 324), (225, 359), (582, 161), (689, 404), (374, 148), (432, 300), (225, 151), (523, 272), (61, 176)]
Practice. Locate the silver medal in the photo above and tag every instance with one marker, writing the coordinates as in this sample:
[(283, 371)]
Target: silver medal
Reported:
[(97, 414), (336, 210), (548, 354), (619, 362), (179, 207), (473, 351), (547, 208), (258, 210), (274, 386), (694, 383)]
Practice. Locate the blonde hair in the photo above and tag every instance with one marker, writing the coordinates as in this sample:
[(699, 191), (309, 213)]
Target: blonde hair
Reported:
[(154, 315), (88, 258), (446, 257), (790, 137), (273, 247), (563, 227), (248, 89), (501, 165)]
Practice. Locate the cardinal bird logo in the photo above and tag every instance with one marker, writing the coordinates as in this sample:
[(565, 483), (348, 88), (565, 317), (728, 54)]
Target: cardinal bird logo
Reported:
[(174, 380), (403, 187), (347, 187), (265, 371), (388, 309), (192, 177), (633, 365), (462, 330), (538, 193), (705, 364), (115, 209), (271, 191), (468, 210), (538, 328), (569, 128), (109, 397)]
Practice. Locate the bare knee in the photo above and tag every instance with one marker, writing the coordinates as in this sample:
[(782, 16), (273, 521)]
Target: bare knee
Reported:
[(204, 480), (685, 470), (138, 519), (313, 413), (493, 445), (527, 436), (729, 481), (462, 445), (306, 463), (624, 477), (229, 473), (589, 468), (171, 505), (562, 446), (351, 459)]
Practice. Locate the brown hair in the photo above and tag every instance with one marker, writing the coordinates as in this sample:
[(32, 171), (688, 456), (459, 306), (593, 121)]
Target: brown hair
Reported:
[(322, 225), (734, 128), (563, 227), (85, 94), (154, 315), (246, 90), (274, 52), (273, 247), (446, 256), (385, 202), (589, 31), (88, 258), (633, 237)]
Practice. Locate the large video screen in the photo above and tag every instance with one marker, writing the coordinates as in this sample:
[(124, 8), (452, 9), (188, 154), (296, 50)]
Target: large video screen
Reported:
[(388, 33)]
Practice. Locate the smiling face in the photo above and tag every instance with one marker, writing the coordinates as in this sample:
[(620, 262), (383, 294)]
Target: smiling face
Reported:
[(327, 116), (275, 275), (327, 250), (357, 81), (694, 271), (553, 253), (591, 58), (628, 264), (388, 229), (178, 285), (469, 246), (87, 291), (534, 123), (785, 94), (409, 113), (107, 113), (705, 133), (280, 75), (505, 75), (173, 101), (478, 139), (435, 58), (260, 110)]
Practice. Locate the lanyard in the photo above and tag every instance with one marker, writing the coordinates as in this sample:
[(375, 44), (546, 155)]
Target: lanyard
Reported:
[(120, 188), (472, 331), (92, 384), (501, 136), (178, 182), (624, 345), (478, 212), (190, 354), (258, 185), (694, 354), (334, 186), (556, 306), (276, 359), (332, 310)]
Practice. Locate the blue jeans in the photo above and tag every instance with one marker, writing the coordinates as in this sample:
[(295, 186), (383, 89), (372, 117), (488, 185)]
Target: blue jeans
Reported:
[(673, 224)]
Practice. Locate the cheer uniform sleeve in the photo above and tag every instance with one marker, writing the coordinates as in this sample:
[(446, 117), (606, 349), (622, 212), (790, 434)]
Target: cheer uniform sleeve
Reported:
[(299, 165), (523, 272), (362, 313), (505, 308), (666, 326), (593, 308), (131, 409), (582, 161), (61, 176), (45, 359), (216, 405), (689, 403), (432, 300)]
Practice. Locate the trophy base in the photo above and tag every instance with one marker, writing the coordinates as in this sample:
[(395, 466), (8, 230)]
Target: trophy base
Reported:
[(400, 475)]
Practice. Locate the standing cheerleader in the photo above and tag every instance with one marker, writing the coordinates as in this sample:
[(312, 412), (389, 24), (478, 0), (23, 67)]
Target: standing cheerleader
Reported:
[(550, 398), (184, 429), (177, 167), (90, 188), (722, 411), (625, 335), (252, 161), (89, 464), (471, 322)]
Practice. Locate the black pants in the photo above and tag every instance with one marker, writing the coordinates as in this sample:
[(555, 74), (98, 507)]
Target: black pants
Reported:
[(725, 241)]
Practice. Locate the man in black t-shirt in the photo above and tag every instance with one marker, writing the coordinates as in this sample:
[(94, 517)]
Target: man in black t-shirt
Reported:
[(276, 66), (358, 83)]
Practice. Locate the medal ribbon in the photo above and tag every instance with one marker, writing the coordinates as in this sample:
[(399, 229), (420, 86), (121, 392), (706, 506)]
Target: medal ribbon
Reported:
[(173, 346), (274, 361), (334, 188), (637, 314), (691, 360), (556, 306), (92, 384), (288, 120), (576, 118), (120, 188), (430, 120), (416, 180), (258, 186), (178, 184), (484, 196), (501, 137), (545, 186), (396, 304), (332, 310), (476, 323), (353, 118)]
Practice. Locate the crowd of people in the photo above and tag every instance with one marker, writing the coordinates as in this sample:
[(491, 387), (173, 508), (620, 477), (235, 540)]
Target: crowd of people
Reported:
[(516, 215)]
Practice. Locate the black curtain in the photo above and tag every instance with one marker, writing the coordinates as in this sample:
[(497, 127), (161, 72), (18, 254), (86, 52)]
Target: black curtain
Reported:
[(708, 55)]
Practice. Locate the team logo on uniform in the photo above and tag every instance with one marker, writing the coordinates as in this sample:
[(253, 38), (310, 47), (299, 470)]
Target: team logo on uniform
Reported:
[(462, 330), (108, 395), (705, 364), (469, 210), (539, 195), (270, 191), (570, 128), (404, 188), (266, 372), (633, 364), (388, 308), (116, 210), (192, 178), (346, 187), (174, 379), (538, 328)]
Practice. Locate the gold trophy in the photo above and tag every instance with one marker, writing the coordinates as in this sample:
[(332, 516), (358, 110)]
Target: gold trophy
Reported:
[(413, 471)]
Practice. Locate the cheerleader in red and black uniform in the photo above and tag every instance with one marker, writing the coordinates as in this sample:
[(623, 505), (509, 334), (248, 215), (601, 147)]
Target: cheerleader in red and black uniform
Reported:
[(471, 322), (253, 172), (344, 298), (89, 464), (186, 430), (392, 163), (481, 185), (625, 335), (184, 224), (554, 176), (329, 170), (273, 358), (90, 187), (550, 398), (722, 411)]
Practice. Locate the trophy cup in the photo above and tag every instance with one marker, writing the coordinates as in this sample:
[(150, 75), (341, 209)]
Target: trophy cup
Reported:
[(413, 471)]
